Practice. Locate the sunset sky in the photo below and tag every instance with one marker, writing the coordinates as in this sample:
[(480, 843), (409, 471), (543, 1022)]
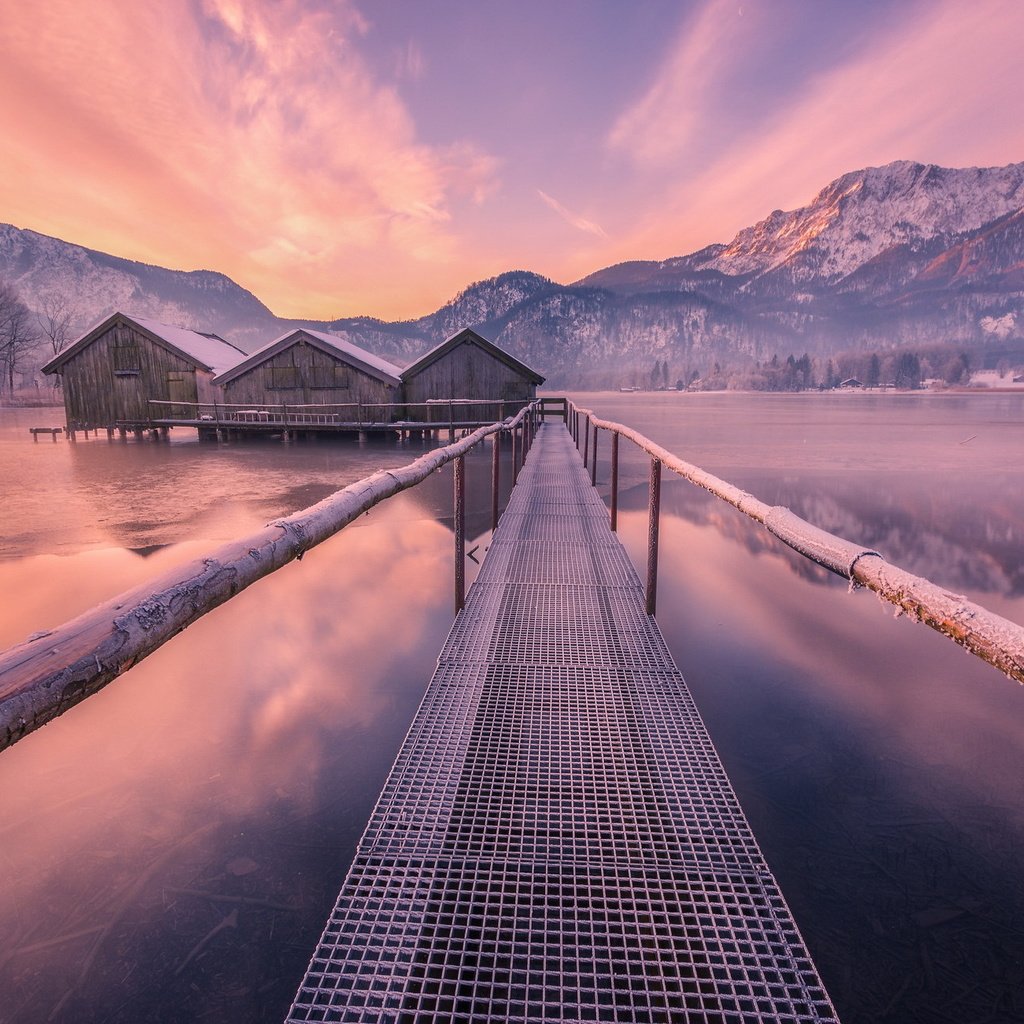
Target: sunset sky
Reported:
[(376, 156)]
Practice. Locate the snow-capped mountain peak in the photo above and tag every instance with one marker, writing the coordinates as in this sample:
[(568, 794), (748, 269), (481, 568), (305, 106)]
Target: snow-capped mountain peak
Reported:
[(866, 212)]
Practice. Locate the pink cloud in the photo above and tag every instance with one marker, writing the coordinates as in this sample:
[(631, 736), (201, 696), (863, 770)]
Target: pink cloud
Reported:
[(577, 221), (658, 127), (251, 138), (924, 94)]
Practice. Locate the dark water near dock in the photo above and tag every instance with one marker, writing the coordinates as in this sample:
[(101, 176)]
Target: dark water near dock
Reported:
[(170, 849)]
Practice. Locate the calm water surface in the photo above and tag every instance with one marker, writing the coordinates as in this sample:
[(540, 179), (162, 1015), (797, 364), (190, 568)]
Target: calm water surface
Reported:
[(170, 849)]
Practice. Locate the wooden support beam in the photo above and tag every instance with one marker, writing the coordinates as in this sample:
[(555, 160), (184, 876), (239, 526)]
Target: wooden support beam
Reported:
[(615, 482), (460, 533), (653, 517), (495, 477)]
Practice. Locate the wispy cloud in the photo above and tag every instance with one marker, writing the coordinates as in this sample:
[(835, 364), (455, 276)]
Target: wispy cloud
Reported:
[(410, 63), (659, 126), (578, 222), (923, 91)]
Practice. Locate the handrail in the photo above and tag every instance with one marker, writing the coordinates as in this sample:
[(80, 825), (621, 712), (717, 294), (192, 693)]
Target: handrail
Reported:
[(52, 671), (989, 636), (432, 404)]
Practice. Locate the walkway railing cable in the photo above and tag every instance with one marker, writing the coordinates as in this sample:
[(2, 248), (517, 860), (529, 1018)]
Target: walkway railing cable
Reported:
[(54, 670), (996, 640)]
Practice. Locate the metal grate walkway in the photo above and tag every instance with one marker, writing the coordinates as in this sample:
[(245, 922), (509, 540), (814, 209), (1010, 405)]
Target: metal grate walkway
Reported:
[(557, 840)]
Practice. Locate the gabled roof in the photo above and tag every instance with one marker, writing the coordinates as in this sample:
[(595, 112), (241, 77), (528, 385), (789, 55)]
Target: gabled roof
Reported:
[(341, 349), (470, 337), (207, 351)]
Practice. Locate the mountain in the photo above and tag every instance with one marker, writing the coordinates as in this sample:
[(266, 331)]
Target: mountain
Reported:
[(95, 284), (882, 258)]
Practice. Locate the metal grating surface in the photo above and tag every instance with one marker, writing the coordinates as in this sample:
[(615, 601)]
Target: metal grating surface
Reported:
[(557, 840)]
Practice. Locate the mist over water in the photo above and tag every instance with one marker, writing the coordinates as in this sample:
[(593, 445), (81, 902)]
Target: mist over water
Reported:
[(172, 846)]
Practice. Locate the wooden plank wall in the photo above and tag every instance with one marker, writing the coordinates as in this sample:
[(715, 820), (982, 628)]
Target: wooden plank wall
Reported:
[(305, 365), (113, 378), (467, 371)]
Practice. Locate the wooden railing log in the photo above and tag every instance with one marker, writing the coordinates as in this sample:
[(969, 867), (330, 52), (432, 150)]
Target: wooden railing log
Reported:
[(54, 670), (994, 639)]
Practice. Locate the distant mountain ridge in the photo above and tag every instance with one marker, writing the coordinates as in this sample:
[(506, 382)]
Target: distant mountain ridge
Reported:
[(905, 254), (96, 283)]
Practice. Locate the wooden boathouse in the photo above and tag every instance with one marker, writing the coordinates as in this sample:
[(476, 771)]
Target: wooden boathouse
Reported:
[(308, 368), (467, 366), (137, 374), (114, 371)]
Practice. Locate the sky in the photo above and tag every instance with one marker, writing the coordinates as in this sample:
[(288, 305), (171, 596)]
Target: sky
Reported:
[(374, 157)]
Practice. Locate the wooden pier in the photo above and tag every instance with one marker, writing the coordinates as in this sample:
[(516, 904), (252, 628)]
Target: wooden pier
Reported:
[(557, 839)]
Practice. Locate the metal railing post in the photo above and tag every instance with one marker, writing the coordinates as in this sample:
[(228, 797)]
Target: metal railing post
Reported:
[(515, 467), (654, 512), (615, 481), (460, 533), (495, 477), (586, 439), (593, 461)]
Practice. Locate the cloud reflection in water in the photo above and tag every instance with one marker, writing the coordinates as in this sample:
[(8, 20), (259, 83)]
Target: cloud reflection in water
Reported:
[(292, 695)]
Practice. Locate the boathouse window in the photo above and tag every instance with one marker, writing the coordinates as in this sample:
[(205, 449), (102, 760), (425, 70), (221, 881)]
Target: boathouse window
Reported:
[(125, 352), (334, 376), (282, 377)]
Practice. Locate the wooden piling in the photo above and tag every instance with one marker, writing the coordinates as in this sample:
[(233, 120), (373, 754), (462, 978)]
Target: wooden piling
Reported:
[(495, 477), (460, 533), (653, 516), (615, 482)]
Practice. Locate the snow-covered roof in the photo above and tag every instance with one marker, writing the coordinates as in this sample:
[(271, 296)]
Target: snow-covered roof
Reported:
[(210, 350), (207, 351), (343, 349), (469, 336)]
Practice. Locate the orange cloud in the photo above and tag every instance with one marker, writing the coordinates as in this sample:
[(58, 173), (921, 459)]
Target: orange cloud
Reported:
[(254, 139)]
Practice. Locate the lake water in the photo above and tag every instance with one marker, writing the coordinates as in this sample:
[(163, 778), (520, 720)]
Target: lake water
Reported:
[(171, 848)]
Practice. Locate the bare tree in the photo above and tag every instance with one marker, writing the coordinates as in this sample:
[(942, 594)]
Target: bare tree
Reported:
[(18, 333), (56, 318)]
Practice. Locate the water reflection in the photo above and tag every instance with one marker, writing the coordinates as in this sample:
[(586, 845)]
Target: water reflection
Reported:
[(879, 764), (945, 534), (172, 846), (209, 768)]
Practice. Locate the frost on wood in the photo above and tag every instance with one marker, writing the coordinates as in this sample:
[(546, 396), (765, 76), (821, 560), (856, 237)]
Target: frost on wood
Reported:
[(996, 640), (822, 547)]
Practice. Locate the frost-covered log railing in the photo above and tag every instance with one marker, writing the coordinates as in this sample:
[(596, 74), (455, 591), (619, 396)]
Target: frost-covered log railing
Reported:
[(992, 638), (52, 671)]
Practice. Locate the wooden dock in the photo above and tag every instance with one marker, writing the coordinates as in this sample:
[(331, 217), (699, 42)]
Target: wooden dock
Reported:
[(557, 840)]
